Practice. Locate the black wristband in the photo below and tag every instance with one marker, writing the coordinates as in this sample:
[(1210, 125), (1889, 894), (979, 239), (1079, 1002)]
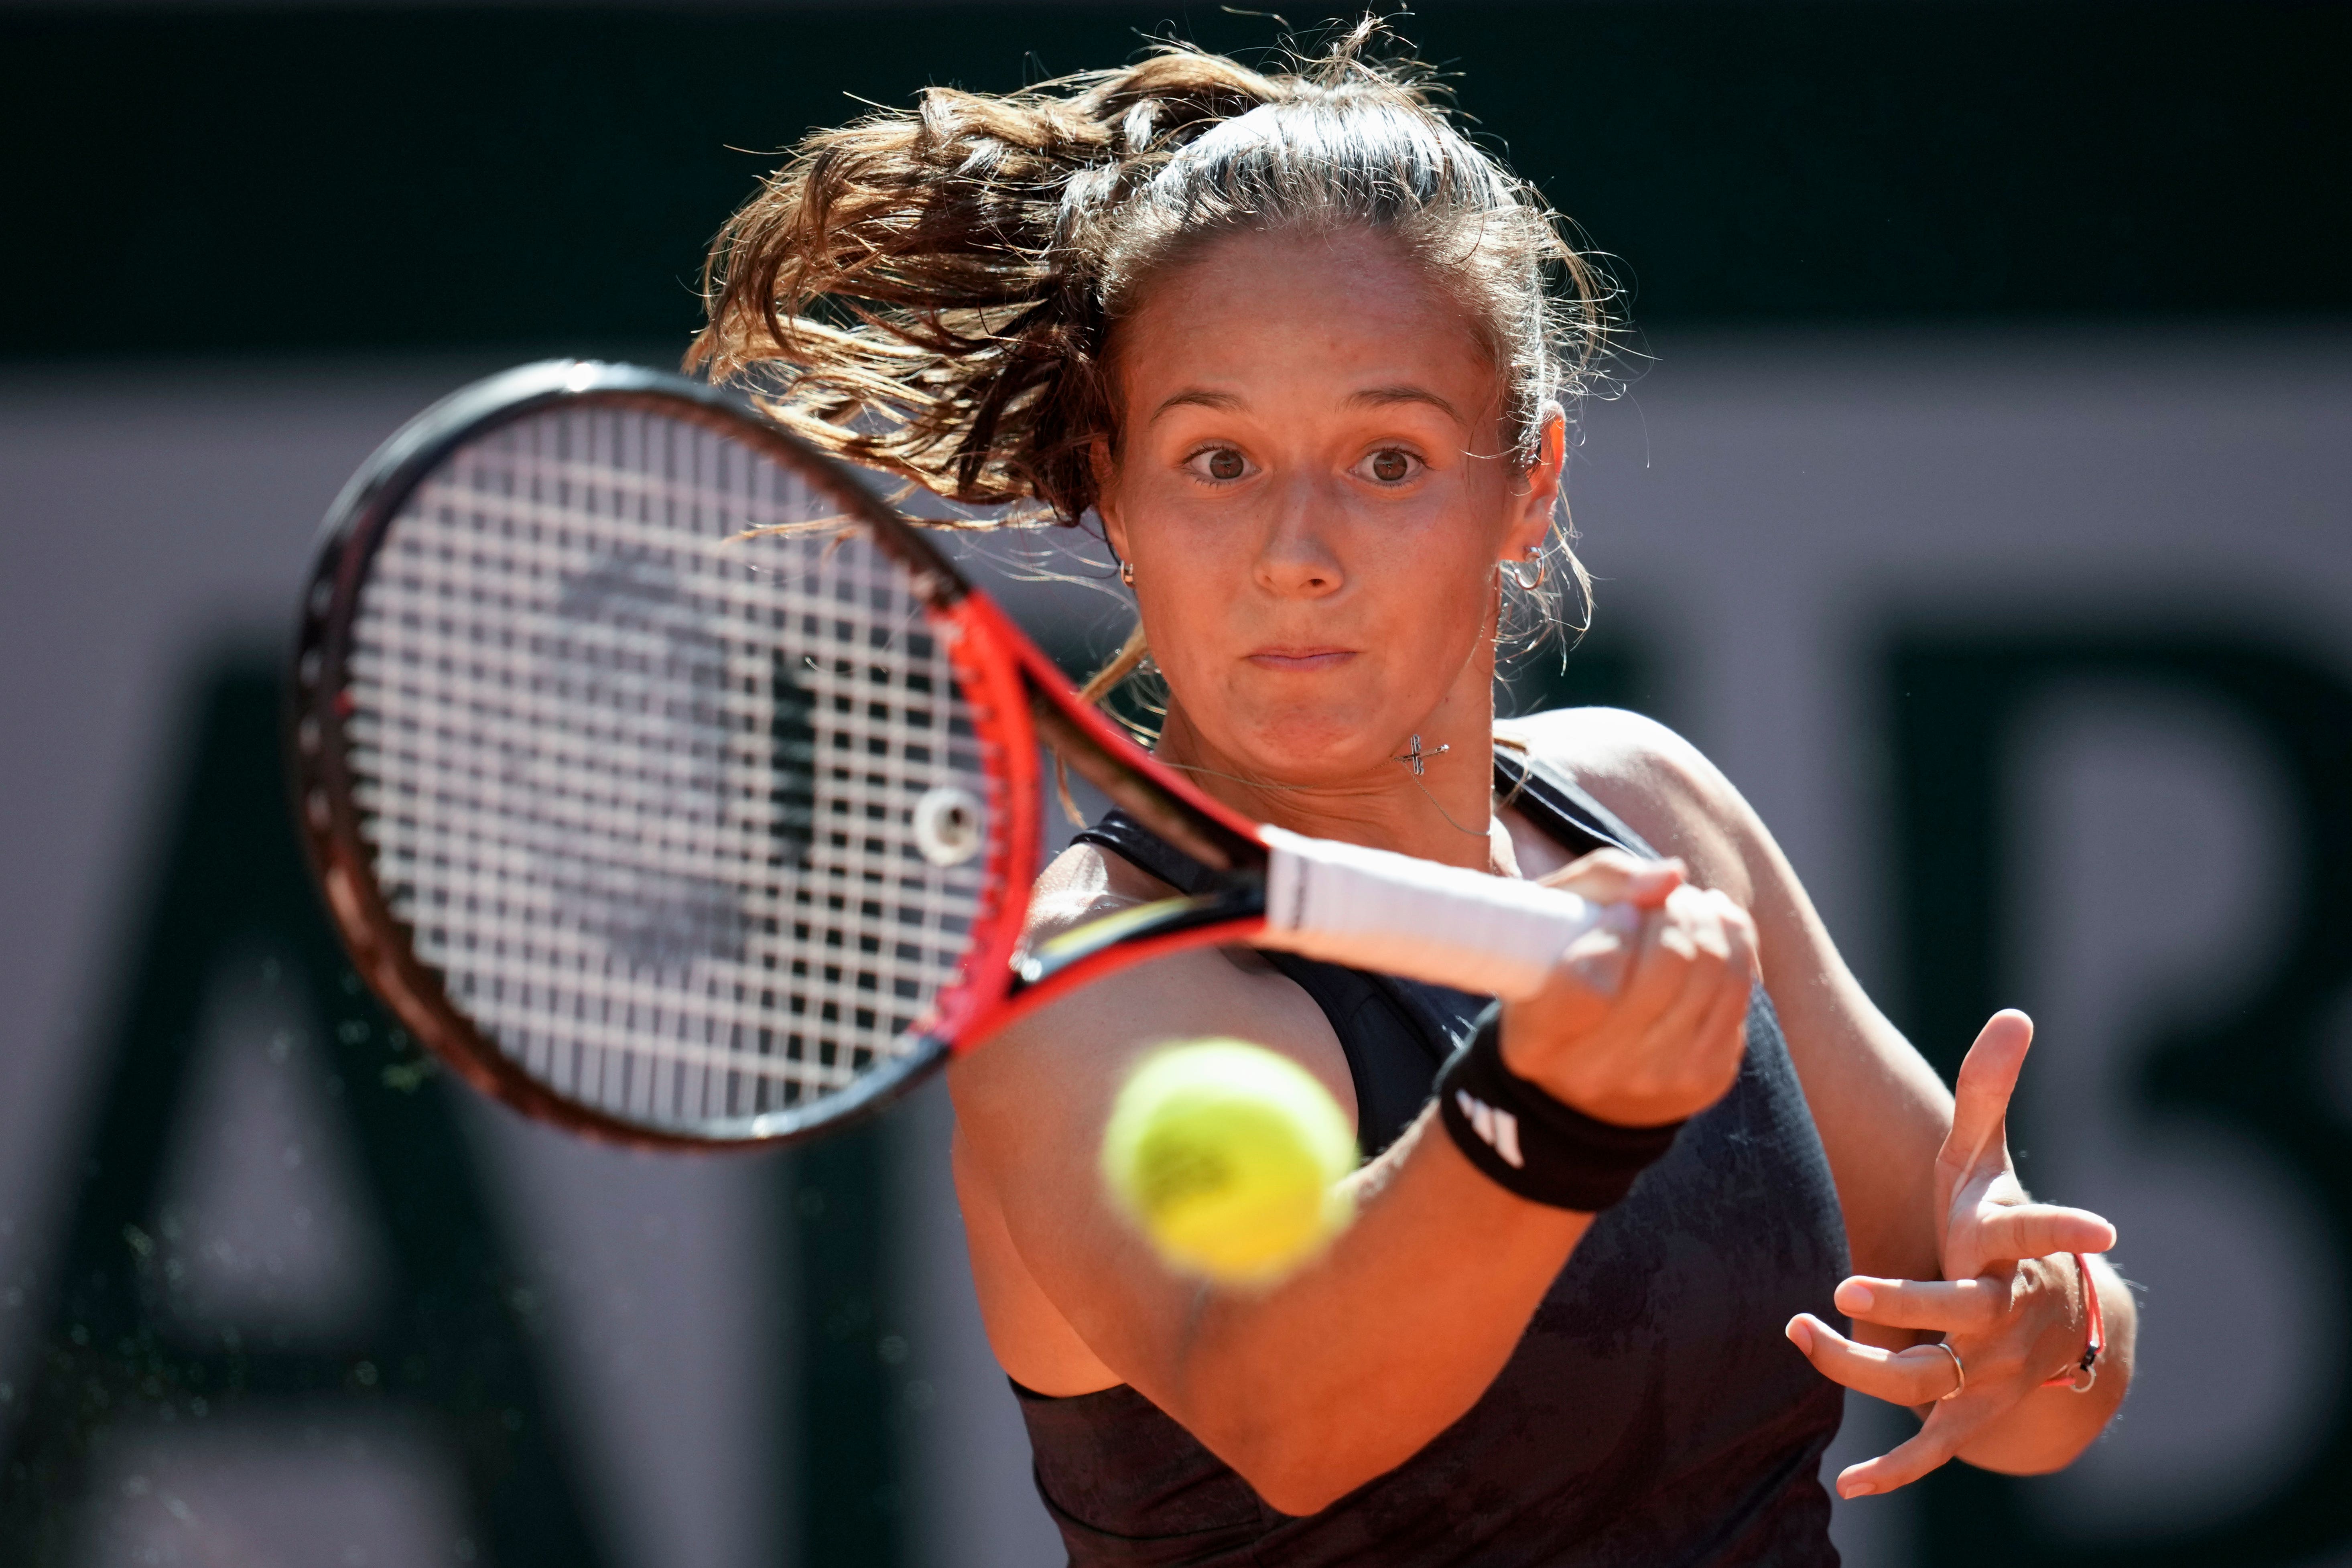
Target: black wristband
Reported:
[(1528, 1142)]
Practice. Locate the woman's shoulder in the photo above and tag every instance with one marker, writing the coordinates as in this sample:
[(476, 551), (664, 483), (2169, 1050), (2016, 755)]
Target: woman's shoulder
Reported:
[(1083, 883), (1188, 995), (1655, 781)]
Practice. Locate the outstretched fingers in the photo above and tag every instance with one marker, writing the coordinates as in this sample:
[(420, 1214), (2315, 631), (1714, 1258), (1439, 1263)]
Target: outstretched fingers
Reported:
[(1930, 1448), (1920, 1375), (1943, 1307), (1923, 1374), (2038, 1230), (1981, 1095)]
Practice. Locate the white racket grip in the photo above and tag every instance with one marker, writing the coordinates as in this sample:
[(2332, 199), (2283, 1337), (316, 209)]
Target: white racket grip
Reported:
[(1374, 909)]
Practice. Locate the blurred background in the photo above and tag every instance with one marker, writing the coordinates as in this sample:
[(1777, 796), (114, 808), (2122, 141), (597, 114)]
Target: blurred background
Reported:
[(1976, 495)]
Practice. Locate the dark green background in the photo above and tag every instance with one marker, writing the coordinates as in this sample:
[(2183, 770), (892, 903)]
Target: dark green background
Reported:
[(196, 180)]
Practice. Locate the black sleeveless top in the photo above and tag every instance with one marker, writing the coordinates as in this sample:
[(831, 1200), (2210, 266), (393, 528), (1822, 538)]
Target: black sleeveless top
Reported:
[(1653, 1415)]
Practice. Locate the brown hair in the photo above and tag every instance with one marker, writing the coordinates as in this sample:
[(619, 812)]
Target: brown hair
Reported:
[(932, 293)]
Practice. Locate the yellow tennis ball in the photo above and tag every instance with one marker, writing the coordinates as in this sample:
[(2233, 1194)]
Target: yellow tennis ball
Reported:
[(1227, 1156)]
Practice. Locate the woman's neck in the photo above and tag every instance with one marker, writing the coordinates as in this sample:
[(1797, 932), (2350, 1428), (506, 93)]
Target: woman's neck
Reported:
[(1437, 806)]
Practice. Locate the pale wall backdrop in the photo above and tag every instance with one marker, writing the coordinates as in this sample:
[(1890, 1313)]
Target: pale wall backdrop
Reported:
[(1768, 512)]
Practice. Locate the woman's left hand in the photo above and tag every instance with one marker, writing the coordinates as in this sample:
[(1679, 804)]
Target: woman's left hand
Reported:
[(2010, 1305)]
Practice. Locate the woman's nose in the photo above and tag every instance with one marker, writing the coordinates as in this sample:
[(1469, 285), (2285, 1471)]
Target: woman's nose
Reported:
[(1297, 559)]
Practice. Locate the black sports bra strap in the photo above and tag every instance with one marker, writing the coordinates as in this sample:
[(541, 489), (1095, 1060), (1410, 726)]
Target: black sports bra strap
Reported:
[(1139, 846), (1560, 805), (1547, 796)]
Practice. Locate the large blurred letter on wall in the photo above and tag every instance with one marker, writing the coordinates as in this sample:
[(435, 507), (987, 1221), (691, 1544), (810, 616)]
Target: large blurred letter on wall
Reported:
[(2244, 1058), (133, 1356)]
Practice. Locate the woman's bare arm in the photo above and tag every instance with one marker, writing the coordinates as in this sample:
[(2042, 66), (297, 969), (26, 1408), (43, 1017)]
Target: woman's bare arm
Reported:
[(1883, 1117), (1346, 1369), (1881, 1110)]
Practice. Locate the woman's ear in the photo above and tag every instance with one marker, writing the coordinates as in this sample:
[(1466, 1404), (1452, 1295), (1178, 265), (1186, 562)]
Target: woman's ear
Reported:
[(1106, 473), (1533, 499)]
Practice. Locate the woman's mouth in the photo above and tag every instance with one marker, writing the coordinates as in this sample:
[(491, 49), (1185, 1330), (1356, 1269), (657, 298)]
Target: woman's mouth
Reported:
[(1301, 660)]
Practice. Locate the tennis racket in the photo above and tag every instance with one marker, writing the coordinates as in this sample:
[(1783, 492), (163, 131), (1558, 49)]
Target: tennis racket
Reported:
[(672, 788)]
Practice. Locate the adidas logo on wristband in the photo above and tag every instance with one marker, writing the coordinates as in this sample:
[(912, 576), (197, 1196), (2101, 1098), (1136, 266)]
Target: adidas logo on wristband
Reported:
[(1541, 1149), (1500, 1129)]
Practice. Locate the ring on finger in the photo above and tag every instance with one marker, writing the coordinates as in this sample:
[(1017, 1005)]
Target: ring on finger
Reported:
[(1959, 1369)]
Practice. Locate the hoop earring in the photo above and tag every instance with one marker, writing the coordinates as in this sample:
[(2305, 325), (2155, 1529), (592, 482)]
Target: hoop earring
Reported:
[(1516, 570), (1127, 572)]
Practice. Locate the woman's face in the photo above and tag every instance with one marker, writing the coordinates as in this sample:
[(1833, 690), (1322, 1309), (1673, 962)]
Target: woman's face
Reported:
[(1313, 488)]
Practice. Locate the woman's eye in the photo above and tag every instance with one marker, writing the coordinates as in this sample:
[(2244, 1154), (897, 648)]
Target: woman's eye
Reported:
[(1221, 463), (1391, 464)]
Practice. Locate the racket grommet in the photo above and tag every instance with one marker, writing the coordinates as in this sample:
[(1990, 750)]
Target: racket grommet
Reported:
[(950, 824)]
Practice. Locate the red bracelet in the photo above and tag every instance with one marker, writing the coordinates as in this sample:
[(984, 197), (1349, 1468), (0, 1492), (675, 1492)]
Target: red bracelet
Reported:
[(2086, 1371)]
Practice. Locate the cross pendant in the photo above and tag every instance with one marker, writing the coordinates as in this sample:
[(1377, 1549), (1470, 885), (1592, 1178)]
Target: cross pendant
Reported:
[(1414, 758)]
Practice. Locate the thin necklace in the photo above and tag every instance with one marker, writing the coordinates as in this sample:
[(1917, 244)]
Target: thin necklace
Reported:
[(1215, 773), (1486, 832)]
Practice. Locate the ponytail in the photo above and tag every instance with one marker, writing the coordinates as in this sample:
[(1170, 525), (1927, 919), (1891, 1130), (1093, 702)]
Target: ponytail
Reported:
[(918, 291)]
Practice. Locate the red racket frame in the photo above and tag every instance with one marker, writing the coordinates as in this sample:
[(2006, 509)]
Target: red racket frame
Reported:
[(1017, 698), (1007, 679)]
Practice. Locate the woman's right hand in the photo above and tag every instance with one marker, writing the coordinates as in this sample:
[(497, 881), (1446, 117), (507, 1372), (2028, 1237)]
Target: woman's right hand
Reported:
[(1644, 1028)]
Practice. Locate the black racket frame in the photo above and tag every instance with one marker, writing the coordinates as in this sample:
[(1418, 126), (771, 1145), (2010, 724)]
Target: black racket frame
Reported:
[(327, 820)]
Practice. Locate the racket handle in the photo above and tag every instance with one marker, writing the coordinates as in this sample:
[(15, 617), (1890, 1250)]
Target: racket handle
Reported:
[(1374, 909)]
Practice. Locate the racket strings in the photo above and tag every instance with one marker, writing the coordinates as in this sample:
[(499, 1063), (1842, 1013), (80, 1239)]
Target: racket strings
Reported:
[(641, 785)]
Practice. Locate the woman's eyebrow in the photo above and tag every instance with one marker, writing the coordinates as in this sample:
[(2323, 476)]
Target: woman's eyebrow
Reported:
[(1376, 396), (1198, 397)]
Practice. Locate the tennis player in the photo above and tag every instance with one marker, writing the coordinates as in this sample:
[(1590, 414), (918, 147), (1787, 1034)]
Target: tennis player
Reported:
[(1306, 352)]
